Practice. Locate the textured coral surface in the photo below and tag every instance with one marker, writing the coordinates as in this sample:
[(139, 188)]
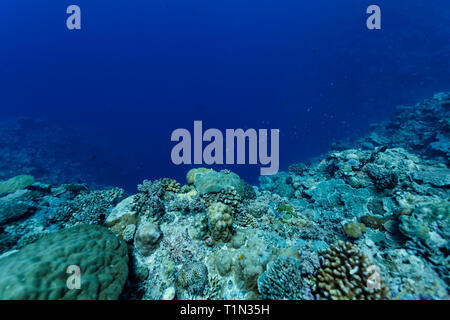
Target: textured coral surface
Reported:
[(40, 270)]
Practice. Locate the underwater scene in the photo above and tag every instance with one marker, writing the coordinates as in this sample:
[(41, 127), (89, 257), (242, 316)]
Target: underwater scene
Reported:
[(225, 150)]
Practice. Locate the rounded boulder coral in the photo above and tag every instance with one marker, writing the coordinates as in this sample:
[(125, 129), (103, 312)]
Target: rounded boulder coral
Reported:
[(147, 238), (220, 221), (43, 270)]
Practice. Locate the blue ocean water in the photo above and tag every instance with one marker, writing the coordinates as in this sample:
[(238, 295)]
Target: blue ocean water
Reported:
[(139, 69)]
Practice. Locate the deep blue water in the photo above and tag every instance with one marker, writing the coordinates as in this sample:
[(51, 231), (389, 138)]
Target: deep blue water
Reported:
[(139, 69)]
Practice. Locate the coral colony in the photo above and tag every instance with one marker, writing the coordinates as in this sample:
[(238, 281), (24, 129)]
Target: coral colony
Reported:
[(369, 220)]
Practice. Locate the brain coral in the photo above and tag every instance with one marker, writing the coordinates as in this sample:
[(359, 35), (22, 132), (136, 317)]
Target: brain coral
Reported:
[(39, 270), (16, 183)]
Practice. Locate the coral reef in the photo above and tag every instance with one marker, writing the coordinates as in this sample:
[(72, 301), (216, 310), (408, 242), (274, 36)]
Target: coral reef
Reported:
[(53, 153), (368, 220), (228, 197), (423, 129)]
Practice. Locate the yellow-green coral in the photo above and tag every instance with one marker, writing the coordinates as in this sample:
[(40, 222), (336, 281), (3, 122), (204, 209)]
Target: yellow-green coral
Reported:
[(16, 183), (354, 229), (220, 220), (190, 176)]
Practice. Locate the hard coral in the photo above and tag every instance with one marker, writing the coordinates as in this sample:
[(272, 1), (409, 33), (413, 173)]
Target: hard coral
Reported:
[(298, 168), (149, 200), (147, 237), (354, 229), (192, 278), (220, 221), (16, 183), (39, 270), (348, 274), (89, 207), (170, 185), (213, 182), (382, 178), (228, 196), (282, 280)]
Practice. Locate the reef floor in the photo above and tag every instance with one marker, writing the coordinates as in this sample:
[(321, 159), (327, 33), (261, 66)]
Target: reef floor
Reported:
[(370, 220)]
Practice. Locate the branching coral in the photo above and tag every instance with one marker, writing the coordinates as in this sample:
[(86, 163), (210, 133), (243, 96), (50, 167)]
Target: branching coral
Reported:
[(148, 201), (282, 280), (89, 207), (187, 204), (169, 184), (248, 192), (348, 274), (255, 208), (248, 220), (228, 196)]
